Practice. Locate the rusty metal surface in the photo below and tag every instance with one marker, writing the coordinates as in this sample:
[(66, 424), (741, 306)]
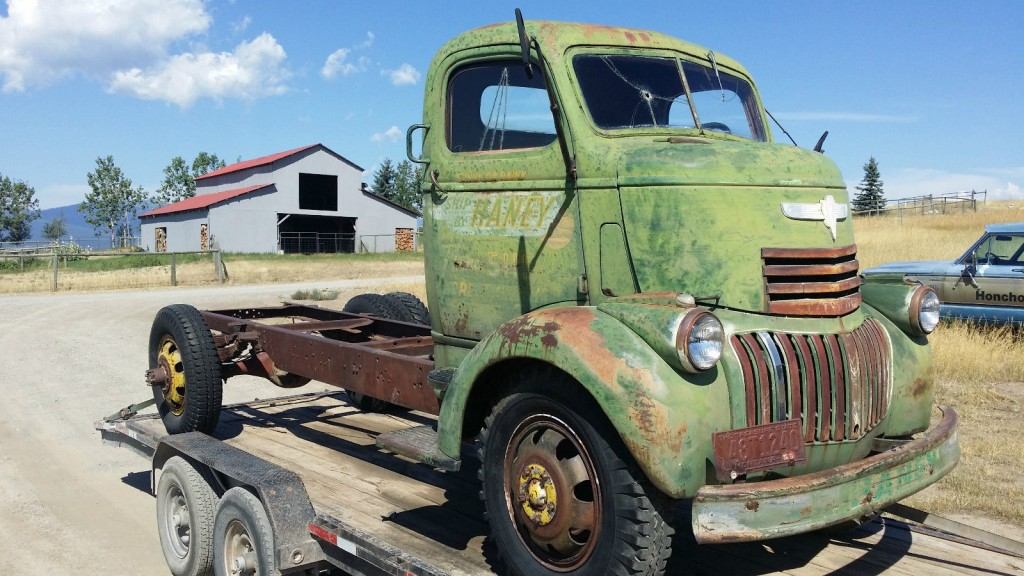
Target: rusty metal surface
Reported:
[(762, 447), (787, 506), (811, 281), (383, 359), (837, 384)]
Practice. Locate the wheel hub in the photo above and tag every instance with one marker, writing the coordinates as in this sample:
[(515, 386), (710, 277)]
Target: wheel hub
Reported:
[(174, 384), (552, 492), (538, 494)]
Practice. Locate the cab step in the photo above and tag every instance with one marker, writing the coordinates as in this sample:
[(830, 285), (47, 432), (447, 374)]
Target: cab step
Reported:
[(418, 443)]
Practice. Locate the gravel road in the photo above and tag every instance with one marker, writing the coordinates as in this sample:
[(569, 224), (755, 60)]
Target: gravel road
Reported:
[(68, 504)]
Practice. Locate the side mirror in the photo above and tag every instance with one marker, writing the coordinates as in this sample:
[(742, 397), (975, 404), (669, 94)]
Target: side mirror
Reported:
[(408, 143), (524, 43)]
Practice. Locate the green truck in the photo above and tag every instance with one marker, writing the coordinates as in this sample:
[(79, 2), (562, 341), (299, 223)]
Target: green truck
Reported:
[(636, 298)]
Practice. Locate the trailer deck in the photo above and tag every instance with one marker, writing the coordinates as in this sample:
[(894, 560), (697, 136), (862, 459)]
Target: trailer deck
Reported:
[(407, 518)]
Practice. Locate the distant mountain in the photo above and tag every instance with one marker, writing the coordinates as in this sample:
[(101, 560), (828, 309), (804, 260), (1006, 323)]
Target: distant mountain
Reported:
[(77, 228)]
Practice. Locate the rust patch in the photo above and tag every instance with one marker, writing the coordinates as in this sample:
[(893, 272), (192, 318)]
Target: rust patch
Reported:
[(867, 499), (630, 37), (549, 340), (920, 387), (753, 505), (806, 511)]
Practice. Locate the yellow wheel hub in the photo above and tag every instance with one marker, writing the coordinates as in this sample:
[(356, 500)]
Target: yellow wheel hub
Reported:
[(169, 358), (537, 494)]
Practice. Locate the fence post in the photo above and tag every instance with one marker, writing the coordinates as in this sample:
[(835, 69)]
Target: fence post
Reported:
[(56, 267), (218, 264), (21, 262), (174, 269)]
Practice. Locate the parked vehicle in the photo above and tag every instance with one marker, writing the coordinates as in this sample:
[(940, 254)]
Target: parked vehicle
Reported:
[(635, 298), (985, 284)]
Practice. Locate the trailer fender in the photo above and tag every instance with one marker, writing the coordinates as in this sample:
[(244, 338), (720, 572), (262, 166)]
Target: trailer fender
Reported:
[(281, 491), (664, 417)]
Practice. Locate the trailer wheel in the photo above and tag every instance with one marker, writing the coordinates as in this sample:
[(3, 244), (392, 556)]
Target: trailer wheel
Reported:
[(185, 505), (243, 540), (559, 498), (188, 388), (381, 307), (414, 310)]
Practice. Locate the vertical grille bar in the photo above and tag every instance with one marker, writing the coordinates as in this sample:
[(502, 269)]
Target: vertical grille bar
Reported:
[(836, 354), (853, 358), (809, 386), (793, 375), (763, 382), (748, 379), (824, 389)]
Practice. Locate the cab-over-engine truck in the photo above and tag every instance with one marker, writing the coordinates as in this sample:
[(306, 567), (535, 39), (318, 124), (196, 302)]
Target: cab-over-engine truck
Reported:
[(635, 298)]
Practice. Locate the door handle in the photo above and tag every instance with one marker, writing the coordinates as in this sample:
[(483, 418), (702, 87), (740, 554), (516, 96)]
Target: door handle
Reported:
[(1018, 270)]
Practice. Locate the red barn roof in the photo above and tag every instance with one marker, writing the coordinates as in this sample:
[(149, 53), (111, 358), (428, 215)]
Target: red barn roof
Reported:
[(202, 201), (261, 161)]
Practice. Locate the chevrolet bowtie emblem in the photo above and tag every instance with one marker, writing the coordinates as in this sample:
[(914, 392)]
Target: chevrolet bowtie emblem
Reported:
[(827, 211)]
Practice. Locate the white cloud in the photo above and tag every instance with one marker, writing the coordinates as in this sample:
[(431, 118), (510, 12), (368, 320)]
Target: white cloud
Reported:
[(42, 42), (242, 25), (858, 117), (339, 64), (255, 69), (1001, 184), (393, 134), (404, 75)]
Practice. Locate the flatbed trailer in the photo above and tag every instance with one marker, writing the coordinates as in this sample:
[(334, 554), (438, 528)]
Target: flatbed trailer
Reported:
[(338, 504)]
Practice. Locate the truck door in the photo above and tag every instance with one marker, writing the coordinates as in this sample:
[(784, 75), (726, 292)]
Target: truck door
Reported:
[(502, 215), (998, 262)]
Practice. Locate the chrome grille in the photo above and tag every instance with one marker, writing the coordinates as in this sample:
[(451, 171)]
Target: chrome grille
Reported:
[(837, 385)]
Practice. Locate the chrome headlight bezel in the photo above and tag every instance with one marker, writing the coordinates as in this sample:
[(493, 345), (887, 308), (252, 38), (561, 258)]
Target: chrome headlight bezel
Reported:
[(924, 310), (700, 340)]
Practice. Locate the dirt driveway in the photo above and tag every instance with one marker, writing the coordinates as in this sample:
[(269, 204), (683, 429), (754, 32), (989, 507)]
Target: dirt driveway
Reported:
[(67, 505)]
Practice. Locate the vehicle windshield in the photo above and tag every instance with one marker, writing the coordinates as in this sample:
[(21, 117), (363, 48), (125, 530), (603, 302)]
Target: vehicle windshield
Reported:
[(627, 91)]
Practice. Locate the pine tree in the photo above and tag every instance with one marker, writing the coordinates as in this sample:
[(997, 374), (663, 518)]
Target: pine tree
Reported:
[(870, 198), (406, 186), (384, 180)]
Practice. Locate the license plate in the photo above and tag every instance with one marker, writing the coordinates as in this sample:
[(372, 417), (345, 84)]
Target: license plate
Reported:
[(763, 447)]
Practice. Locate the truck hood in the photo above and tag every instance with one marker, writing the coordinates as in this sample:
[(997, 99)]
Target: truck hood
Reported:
[(686, 234)]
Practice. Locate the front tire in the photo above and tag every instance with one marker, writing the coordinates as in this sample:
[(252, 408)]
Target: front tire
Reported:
[(560, 498), (180, 343), (243, 540), (185, 505)]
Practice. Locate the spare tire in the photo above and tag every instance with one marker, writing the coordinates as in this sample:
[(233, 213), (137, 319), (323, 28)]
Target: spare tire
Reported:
[(413, 309), (381, 307)]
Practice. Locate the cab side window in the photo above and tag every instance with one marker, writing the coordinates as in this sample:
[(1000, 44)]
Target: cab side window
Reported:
[(1001, 250), (494, 106)]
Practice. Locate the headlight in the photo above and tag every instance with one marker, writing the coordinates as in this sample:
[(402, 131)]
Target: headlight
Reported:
[(699, 340), (924, 310)]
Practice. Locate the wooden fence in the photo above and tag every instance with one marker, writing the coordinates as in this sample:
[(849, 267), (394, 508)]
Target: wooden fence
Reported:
[(56, 259), (930, 204)]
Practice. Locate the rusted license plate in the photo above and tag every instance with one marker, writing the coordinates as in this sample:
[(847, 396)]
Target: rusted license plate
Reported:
[(763, 447)]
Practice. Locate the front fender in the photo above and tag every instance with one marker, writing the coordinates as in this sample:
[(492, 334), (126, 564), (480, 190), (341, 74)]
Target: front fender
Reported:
[(665, 418)]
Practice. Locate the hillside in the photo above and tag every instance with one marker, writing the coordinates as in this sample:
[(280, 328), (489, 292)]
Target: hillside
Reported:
[(77, 228)]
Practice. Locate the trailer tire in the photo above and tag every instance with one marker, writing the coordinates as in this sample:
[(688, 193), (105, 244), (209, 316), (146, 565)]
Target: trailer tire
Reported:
[(242, 532), (381, 307), (190, 398), (523, 474), (414, 310), (183, 495)]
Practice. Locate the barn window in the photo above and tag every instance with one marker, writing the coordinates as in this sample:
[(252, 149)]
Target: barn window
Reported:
[(318, 192)]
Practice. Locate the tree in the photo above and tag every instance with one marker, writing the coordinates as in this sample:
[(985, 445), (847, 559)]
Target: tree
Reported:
[(180, 181), (55, 229), (204, 163), (384, 180), (18, 208), (871, 198), (113, 203), (407, 191)]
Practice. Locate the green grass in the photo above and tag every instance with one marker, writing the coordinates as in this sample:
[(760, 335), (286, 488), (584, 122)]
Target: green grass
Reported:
[(102, 263)]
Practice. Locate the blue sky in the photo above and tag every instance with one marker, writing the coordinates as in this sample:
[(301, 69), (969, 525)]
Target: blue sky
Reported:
[(932, 89)]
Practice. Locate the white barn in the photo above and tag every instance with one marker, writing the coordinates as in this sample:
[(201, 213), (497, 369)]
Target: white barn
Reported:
[(309, 199)]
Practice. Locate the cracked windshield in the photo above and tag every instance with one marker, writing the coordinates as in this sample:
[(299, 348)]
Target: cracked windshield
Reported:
[(627, 91)]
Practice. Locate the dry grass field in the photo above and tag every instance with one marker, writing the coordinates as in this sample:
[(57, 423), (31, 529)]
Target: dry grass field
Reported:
[(980, 372)]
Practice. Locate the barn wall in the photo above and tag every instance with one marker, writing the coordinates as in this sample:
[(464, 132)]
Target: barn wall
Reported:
[(183, 230)]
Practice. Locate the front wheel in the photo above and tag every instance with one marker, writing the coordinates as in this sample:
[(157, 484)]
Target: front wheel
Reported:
[(185, 369), (559, 497)]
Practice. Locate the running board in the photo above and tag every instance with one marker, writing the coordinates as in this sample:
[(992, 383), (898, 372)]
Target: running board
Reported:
[(418, 443)]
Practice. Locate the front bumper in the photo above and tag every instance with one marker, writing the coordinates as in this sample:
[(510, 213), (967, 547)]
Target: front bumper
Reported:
[(788, 506)]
